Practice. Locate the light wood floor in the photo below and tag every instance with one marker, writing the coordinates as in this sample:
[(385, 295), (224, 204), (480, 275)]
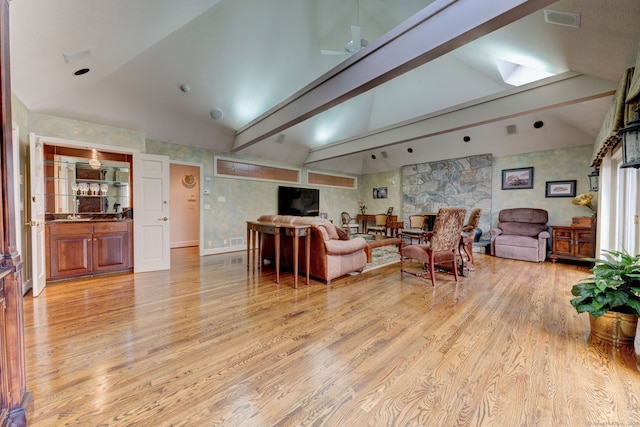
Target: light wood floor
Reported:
[(206, 344)]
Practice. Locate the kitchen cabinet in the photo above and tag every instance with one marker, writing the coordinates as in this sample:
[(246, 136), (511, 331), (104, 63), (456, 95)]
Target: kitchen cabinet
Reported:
[(87, 248), (573, 243)]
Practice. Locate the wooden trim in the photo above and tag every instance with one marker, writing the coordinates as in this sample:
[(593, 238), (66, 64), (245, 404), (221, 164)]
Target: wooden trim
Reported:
[(15, 401)]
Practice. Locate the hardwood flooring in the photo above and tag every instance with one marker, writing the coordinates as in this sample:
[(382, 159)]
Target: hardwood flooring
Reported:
[(207, 344)]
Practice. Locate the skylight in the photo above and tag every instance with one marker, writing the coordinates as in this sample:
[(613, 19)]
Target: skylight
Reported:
[(518, 74)]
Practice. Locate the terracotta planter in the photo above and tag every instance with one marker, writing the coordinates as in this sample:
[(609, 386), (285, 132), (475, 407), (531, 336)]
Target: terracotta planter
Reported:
[(615, 328), (636, 346)]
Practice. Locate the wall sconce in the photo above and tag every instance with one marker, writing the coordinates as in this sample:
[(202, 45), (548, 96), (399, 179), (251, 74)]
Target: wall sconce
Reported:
[(631, 142), (594, 175)]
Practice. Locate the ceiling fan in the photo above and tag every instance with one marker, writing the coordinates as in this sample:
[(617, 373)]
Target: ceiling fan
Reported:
[(355, 44)]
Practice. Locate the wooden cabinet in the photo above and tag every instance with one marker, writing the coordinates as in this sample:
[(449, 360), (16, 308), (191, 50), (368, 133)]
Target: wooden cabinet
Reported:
[(574, 243), (78, 249)]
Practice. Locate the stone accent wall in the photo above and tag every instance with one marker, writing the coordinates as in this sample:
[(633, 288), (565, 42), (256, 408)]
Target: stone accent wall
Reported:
[(463, 182)]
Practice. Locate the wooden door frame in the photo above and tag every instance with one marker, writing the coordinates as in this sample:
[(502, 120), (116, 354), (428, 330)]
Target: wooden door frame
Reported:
[(15, 400)]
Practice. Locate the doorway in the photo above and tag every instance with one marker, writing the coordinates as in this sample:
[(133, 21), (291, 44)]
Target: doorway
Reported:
[(185, 190)]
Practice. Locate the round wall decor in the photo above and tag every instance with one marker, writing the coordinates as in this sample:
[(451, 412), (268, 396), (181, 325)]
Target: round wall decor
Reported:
[(189, 180)]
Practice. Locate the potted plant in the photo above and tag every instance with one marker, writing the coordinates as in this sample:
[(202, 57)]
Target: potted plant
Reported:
[(611, 295)]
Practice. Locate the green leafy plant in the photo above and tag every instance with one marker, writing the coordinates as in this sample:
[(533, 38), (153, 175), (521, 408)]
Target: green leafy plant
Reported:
[(613, 286)]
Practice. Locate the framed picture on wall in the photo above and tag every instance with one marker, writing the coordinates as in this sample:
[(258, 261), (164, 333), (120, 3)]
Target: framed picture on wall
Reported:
[(561, 189), (517, 179), (380, 193)]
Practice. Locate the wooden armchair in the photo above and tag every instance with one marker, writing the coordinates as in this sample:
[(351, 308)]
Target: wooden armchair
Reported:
[(349, 223), (441, 247)]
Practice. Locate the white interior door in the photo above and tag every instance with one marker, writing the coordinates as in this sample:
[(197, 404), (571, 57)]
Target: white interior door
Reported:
[(151, 232), (38, 263)]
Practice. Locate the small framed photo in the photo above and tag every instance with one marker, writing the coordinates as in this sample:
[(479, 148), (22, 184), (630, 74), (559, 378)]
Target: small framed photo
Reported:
[(561, 189), (380, 193), (517, 179)]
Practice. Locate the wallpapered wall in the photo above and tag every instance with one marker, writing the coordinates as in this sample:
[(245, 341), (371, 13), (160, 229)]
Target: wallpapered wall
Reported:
[(243, 199), (552, 165), (393, 182), (248, 199), (76, 130)]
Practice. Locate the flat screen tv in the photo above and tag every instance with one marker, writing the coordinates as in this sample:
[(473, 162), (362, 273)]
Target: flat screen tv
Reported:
[(298, 201)]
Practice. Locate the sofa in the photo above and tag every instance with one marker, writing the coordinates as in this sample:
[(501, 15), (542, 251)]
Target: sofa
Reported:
[(333, 252), (522, 234)]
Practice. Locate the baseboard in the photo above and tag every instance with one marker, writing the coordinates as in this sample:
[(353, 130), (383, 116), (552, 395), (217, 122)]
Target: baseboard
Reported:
[(184, 244), (215, 251)]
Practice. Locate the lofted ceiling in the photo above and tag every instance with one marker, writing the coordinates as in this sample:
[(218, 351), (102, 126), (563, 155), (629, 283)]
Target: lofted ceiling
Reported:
[(264, 65)]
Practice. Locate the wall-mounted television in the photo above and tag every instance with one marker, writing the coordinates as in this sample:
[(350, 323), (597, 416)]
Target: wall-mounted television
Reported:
[(298, 201)]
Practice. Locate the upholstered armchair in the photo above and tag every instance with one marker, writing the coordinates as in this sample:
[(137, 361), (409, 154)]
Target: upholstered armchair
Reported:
[(441, 247), (522, 234), (468, 235)]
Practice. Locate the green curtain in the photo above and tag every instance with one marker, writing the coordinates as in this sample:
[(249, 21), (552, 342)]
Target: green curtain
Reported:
[(618, 114)]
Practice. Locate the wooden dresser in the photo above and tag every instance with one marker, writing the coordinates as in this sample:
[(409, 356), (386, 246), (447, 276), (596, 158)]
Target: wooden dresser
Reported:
[(574, 242)]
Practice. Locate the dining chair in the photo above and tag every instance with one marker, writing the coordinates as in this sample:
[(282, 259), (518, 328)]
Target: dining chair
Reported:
[(416, 228), (381, 225)]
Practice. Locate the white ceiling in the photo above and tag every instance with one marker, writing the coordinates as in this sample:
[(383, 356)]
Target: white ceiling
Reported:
[(247, 56)]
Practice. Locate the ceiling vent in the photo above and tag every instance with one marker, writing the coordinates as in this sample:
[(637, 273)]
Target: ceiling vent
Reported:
[(566, 19), (76, 56), (511, 130), (384, 154)]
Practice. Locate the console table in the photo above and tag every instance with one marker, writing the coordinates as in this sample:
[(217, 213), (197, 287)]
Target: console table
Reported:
[(256, 229)]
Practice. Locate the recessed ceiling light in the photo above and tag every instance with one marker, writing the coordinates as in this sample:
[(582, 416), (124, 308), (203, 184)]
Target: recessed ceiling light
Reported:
[(466, 139), (538, 124), (81, 71)]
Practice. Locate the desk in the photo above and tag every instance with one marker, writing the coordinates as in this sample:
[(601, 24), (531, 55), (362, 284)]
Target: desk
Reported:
[(256, 229), (364, 220)]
